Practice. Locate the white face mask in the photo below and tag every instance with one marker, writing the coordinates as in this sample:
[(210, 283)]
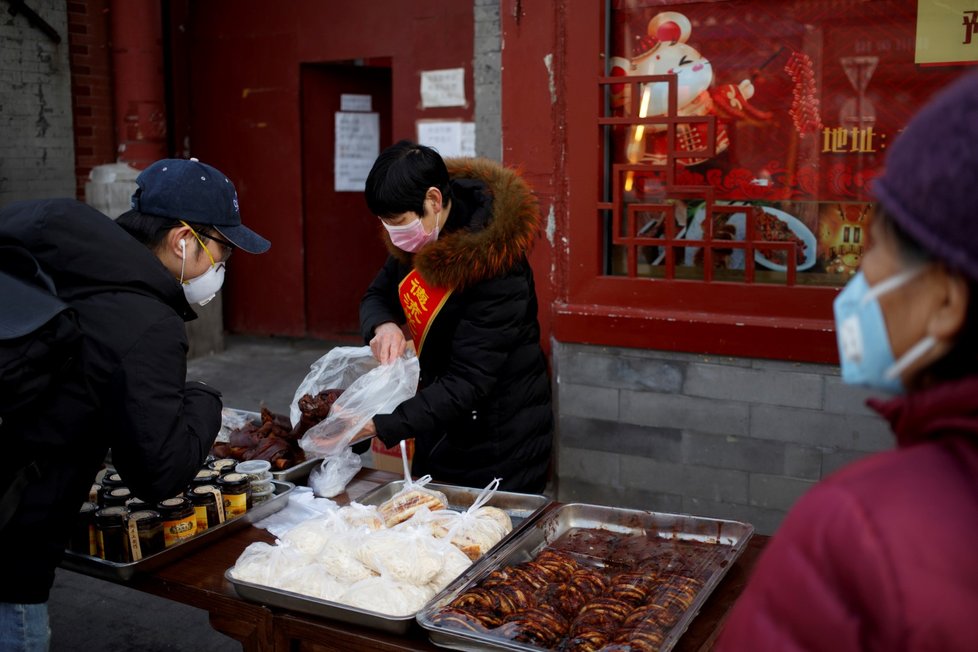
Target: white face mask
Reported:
[(202, 289)]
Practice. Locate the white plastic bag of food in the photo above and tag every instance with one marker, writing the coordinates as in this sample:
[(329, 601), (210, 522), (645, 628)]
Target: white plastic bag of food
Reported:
[(334, 473), (375, 389), (475, 530)]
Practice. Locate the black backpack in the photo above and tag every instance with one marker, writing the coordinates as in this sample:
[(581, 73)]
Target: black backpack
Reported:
[(39, 333)]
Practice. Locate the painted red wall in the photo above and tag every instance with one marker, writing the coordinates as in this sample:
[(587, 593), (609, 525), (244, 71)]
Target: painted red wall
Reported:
[(245, 118), (533, 135)]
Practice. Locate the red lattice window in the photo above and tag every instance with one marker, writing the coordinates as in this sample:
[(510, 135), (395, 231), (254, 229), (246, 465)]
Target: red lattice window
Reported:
[(719, 209)]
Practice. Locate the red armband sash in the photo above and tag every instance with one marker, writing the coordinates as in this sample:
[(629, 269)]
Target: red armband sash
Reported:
[(421, 302)]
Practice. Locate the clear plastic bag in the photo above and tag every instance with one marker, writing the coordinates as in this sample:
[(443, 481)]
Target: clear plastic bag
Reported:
[(475, 530), (370, 388), (411, 498), (335, 472)]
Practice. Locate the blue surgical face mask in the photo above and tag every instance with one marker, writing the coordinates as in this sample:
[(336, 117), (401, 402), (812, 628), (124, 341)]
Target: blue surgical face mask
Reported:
[(864, 345)]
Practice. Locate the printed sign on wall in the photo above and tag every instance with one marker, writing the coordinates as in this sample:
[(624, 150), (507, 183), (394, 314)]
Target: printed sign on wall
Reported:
[(357, 146), (443, 87), (947, 32)]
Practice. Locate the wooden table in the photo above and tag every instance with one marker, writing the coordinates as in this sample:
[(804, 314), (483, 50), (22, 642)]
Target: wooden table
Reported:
[(198, 580)]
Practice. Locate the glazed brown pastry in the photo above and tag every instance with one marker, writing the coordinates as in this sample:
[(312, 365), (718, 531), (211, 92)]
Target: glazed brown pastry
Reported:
[(460, 620), (633, 588), (602, 613), (541, 625), (587, 640), (573, 599)]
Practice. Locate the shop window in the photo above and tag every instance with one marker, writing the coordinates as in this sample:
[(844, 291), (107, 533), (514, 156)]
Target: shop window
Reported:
[(738, 141)]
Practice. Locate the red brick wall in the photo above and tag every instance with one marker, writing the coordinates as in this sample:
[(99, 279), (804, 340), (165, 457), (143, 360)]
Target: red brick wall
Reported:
[(91, 87)]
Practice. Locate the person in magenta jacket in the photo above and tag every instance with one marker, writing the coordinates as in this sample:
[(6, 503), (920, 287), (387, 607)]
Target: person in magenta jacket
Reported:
[(883, 555)]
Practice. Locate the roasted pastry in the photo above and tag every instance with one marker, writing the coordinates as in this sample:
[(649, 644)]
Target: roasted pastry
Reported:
[(586, 640), (633, 588), (601, 613), (541, 625), (405, 504), (458, 619)]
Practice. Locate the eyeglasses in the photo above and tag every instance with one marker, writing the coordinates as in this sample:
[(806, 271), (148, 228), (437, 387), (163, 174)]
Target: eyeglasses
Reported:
[(226, 247)]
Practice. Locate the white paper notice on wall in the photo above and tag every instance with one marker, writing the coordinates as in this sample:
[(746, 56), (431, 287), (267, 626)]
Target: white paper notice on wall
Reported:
[(357, 146), (452, 138), (350, 102), (442, 87)]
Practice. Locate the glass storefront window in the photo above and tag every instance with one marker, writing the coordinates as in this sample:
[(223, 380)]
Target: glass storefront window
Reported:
[(741, 137)]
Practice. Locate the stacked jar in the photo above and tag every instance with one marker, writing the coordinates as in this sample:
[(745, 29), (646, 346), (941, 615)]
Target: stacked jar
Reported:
[(179, 520), (259, 473), (236, 491), (110, 482), (208, 505)]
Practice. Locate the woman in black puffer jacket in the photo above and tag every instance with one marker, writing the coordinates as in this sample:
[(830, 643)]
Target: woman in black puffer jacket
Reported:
[(458, 238)]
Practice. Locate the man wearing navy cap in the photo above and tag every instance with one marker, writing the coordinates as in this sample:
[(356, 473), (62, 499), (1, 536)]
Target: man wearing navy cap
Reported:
[(131, 283)]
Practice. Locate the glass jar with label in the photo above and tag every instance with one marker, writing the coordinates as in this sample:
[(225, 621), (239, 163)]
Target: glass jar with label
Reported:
[(83, 537), (236, 490), (146, 533), (111, 535), (179, 520), (110, 482), (208, 506)]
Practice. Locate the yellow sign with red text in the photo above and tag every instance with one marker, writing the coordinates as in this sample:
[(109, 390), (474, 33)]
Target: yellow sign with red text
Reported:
[(947, 32)]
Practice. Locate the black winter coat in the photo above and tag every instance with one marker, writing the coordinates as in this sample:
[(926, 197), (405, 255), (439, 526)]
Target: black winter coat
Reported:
[(483, 410), (128, 390)]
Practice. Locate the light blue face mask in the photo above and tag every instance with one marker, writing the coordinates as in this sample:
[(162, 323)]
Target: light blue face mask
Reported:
[(864, 345)]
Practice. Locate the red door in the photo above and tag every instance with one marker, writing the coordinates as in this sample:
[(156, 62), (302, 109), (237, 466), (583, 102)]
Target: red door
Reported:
[(341, 241)]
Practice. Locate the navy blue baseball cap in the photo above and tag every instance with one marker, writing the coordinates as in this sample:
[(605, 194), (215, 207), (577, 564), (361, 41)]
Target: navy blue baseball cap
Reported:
[(195, 192)]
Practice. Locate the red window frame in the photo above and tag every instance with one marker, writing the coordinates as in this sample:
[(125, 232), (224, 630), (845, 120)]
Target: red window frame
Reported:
[(721, 318)]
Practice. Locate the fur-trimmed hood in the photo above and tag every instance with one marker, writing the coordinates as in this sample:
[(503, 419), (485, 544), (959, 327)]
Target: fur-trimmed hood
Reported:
[(464, 255)]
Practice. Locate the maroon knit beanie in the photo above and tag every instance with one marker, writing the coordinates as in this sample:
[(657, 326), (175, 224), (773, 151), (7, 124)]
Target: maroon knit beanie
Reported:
[(930, 184)]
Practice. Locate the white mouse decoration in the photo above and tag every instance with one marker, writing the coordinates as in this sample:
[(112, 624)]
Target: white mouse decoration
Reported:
[(664, 51)]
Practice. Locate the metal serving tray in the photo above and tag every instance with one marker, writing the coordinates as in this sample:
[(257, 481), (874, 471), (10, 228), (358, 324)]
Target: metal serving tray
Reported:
[(112, 570), (296, 474), (729, 538), (523, 509)]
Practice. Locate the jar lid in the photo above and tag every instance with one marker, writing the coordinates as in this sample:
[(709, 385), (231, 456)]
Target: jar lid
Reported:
[(174, 503), (120, 492), (204, 494), (234, 478), (88, 507), (253, 467), (144, 515), (110, 515), (222, 464), (112, 480), (206, 474)]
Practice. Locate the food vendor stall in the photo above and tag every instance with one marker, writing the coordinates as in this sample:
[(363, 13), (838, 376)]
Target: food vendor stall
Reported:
[(198, 578)]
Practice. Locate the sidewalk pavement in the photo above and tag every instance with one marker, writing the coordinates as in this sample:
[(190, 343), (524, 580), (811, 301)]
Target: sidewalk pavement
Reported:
[(89, 613)]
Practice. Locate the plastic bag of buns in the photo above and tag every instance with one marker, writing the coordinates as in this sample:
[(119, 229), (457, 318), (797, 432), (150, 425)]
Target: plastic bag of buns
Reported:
[(413, 497), (475, 530)]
